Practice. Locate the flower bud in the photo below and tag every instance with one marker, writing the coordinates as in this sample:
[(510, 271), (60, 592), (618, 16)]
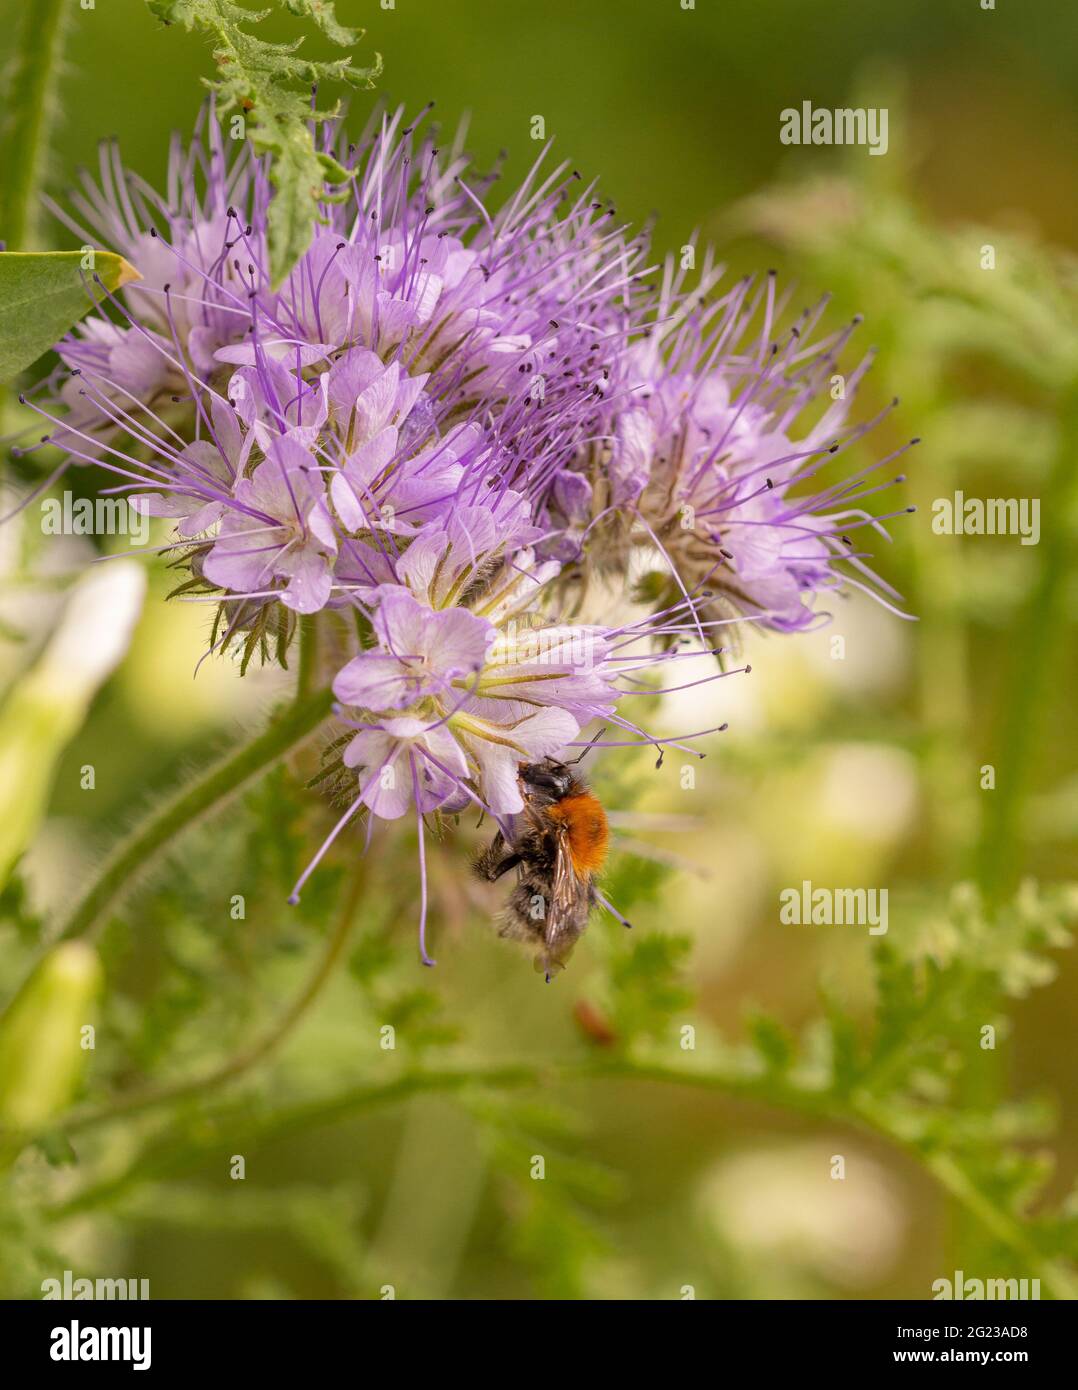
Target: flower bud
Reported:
[(41, 1038), (48, 705)]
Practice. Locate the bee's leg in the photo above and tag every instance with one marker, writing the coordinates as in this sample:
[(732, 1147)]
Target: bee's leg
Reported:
[(509, 862), (493, 861)]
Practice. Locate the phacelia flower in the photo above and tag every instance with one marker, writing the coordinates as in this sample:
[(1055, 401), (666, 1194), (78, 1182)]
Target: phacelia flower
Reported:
[(702, 468), (440, 426)]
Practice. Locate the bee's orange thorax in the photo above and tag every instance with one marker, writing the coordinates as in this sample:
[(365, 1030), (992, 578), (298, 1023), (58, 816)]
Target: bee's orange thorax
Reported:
[(589, 834)]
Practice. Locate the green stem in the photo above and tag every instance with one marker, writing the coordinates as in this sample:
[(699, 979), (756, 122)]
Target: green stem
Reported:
[(307, 675), (206, 793), (1037, 648), (31, 102), (169, 1157), (255, 1052)]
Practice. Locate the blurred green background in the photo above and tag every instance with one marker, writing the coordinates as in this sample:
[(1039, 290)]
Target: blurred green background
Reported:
[(864, 768)]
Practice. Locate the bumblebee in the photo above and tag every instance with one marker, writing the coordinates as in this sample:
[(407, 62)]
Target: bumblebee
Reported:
[(559, 844)]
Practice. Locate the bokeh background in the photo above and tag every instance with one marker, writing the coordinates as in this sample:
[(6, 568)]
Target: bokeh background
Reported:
[(863, 768)]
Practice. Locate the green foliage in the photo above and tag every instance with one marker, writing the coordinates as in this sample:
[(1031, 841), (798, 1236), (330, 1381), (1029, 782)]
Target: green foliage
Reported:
[(318, 1222), (30, 115), (321, 11), (908, 1071), (29, 1247), (17, 911), (42, 294), (648, 985), (263, 79), (553, 1222), (416, 1014), (901, 1069), (589, 1073), (645, 971), (200, 958), (548, 1231)]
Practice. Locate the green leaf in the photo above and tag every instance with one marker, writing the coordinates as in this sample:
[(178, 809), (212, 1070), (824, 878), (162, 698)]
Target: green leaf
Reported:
[(272, 85), (42, 294), (773, 1042), (321, 11)]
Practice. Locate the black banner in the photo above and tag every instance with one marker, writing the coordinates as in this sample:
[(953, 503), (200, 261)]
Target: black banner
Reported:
[(81, 1337)]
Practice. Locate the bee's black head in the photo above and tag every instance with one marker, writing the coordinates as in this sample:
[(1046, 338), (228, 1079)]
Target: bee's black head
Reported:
[(548, 778)]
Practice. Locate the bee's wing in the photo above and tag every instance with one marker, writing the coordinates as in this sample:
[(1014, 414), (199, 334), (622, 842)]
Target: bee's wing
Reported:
[(563, 912)]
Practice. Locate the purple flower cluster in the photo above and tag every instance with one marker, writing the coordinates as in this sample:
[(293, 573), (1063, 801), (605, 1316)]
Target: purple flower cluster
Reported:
[(708, 452), (444, 423)]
